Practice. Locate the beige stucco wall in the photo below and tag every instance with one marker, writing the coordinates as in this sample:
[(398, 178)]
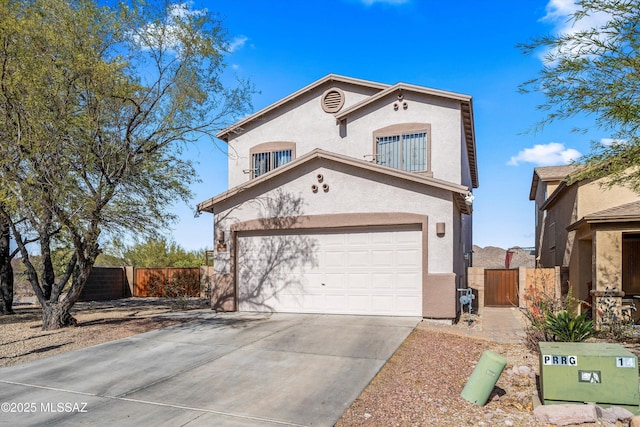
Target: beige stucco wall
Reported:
[(607, 260), (305, 123), (594, 198), (350, 191)]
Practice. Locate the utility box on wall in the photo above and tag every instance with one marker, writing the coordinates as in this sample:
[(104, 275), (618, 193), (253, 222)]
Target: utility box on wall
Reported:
[(602, 373)]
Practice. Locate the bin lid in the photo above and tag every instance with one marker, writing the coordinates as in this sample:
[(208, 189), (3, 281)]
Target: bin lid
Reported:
[(584, 349)]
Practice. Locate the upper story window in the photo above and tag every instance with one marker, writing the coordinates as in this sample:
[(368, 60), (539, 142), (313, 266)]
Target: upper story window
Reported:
[(404, 146), (268, 156)]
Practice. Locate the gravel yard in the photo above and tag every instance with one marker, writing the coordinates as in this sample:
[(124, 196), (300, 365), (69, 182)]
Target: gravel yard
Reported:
[(421, 385)]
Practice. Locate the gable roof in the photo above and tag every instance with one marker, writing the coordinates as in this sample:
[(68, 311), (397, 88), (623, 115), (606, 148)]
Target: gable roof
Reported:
[(459, 191), (237, 127), (549, 173), (466, 109), (382, 90), (622, 213)]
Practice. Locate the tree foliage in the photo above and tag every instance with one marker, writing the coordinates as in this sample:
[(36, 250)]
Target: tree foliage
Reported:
[(596, 72), (96, 104), (154, 252)]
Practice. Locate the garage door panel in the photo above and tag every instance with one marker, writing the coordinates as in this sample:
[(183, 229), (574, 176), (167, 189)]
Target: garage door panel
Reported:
[(383, 237), (383, 303), (382, 281), (358, 258), (313, 302), (358, 280), (336, 303), (408, 257), (332, 240), (343, 272), (334, 259), (359, 303), (409, 281), (383, 258), (334, 280), (357, 239)]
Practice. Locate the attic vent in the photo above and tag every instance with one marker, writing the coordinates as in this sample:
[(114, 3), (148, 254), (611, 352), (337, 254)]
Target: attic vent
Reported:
[(332, 100)]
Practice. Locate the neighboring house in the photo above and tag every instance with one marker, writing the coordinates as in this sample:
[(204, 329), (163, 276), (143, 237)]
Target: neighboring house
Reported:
[(349, 197), (592, 232)]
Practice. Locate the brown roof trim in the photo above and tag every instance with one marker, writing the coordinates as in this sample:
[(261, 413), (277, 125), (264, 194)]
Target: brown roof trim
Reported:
[(629, 212), (237, 127), (460, 191), (400, 87)]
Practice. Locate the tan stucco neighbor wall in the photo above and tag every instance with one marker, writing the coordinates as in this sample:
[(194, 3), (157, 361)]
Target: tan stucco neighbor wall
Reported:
[(607, 260)]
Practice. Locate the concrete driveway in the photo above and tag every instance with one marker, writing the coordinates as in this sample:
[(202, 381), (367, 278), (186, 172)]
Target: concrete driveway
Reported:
[(234, 369)]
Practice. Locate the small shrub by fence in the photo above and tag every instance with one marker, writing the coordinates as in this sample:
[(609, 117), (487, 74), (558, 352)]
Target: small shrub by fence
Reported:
[(166, 282)]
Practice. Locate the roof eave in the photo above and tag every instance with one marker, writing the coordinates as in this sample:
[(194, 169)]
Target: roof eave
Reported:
[(237, 127), (459, 190)]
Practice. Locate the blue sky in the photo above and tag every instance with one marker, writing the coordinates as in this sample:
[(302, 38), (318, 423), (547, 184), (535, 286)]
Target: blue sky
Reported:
[(464, 46)]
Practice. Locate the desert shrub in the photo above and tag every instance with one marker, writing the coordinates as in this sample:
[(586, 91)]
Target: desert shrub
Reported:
[(615, 325), (568, 327), (541, 307)]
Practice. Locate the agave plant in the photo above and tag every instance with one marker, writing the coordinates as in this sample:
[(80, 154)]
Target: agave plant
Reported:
[(568, 328)]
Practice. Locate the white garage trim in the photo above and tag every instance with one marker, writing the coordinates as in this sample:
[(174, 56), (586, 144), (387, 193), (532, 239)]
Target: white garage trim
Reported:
[(282, 243)]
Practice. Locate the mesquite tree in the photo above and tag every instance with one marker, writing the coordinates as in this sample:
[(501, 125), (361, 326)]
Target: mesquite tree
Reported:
[(97, 103), (595, 70)]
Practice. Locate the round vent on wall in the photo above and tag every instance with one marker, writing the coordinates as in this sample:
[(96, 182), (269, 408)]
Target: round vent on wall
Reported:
[(332, 100)]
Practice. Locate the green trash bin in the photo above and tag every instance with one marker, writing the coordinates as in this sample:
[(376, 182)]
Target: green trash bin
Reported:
[(484, 378)]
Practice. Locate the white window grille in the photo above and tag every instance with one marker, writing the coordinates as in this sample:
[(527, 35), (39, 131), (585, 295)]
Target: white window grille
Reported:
[(267, 161), (406, 151)]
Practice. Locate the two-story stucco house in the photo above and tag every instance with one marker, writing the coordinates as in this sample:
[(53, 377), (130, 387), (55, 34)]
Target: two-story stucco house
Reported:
[(347, 197), (590, 231)]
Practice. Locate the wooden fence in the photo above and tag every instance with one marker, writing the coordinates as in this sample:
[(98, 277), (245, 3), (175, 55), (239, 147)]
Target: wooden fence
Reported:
[(500, 287), (105, 283), (531, 283), (166, 282)]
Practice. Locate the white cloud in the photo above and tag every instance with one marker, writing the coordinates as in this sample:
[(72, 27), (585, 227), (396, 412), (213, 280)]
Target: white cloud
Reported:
[(167, 33), (238, 42), (607, 142), (551, 154), (559, 14)]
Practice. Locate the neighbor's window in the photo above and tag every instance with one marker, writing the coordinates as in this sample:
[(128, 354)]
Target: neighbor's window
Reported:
[(271, 155), (403, 147)]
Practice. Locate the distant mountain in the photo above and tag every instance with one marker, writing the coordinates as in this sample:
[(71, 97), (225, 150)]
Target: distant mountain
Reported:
[(494, 257)]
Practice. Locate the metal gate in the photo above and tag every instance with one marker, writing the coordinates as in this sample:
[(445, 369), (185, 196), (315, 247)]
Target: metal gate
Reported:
[(501, 288)]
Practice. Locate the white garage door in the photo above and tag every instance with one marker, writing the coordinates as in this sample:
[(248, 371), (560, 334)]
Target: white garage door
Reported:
[(369, 271)]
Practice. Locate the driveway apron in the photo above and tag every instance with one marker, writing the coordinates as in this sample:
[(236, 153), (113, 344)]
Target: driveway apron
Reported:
[(233, 369)]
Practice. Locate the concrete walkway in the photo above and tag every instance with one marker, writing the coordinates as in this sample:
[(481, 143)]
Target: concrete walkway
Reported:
[(234, 369), (505, 325)]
